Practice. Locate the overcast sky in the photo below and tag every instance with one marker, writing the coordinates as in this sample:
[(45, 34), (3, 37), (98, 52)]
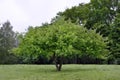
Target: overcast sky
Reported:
[(24, 13)]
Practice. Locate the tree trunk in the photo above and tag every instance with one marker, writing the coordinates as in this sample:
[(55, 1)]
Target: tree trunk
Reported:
[(58, 67), (58, 62)]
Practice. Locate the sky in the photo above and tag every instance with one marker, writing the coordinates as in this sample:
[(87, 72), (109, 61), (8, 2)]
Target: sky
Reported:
[(25, 13)]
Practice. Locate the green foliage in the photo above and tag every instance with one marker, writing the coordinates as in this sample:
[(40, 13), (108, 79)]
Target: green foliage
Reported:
[(115, 39), (7, 42), (77, 14), (96, 12), (58, 40)]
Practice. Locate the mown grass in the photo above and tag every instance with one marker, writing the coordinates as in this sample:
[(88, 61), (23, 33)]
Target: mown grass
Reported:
[(69, 72)]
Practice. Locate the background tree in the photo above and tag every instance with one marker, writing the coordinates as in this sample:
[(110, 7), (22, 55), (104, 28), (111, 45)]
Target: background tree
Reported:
[(115, 40), (60, 40), (77, 14), (97, 12), (7, 42)]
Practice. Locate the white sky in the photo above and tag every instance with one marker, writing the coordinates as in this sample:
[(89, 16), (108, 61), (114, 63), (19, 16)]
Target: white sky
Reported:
[(24, 13)]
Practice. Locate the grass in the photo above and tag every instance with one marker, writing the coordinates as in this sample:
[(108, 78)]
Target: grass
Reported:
[(69, 72)]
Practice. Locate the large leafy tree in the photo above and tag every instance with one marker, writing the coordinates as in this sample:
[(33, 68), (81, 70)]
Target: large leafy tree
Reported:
[(59, 40)]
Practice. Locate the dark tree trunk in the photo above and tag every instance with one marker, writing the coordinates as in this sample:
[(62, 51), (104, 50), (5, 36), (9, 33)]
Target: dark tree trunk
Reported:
[(58, 67), (58, 62)]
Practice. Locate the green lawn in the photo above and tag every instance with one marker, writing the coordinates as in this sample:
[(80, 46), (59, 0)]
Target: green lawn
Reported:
[(69, 72)]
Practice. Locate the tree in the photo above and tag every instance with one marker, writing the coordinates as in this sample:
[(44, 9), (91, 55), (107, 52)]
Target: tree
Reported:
[(7, 42), (59, 40), (98, 12), (77, 14), (115, 40)]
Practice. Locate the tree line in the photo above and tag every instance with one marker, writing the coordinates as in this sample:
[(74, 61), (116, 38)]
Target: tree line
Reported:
[(87, 33)]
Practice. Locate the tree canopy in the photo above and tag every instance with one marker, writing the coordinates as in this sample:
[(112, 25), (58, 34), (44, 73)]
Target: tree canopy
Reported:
[(60, 39)]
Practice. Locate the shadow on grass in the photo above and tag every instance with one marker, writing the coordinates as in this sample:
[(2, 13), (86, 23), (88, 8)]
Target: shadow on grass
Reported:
[(72, 70), (47, 69), (64, 70)]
